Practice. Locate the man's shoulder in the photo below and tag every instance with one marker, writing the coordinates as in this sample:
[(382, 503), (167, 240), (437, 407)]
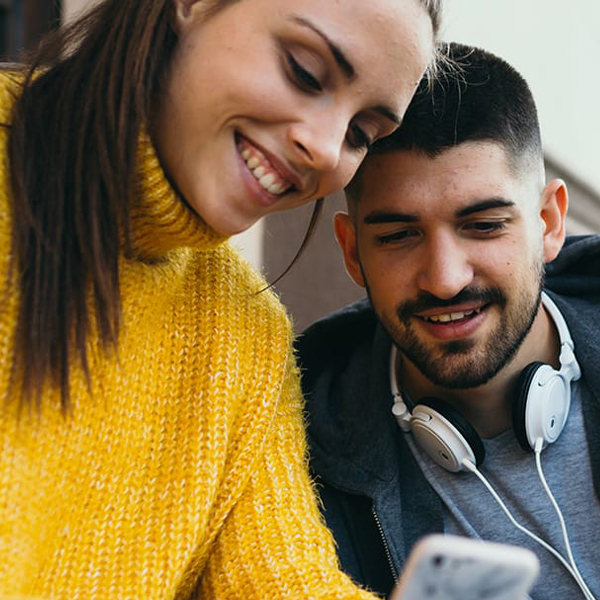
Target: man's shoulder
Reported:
[(329, 342)]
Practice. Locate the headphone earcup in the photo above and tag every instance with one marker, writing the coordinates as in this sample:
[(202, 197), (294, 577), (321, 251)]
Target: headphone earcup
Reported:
[(445, 435), (520, 404), (541, 406)]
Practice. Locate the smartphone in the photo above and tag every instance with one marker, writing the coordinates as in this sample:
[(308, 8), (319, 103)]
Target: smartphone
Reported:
[(449, 567)]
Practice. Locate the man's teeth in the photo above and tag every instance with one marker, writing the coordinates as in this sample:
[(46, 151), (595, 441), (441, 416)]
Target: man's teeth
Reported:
[(453, 316), (267, 179)]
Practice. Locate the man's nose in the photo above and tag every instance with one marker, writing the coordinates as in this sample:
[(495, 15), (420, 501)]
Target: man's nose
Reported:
[(446, 266)]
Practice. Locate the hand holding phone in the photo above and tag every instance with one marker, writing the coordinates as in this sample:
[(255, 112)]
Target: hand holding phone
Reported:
[(447, 567)]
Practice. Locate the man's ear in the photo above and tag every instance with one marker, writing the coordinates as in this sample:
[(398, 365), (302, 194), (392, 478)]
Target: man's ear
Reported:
[(553, 211), (345, 234)]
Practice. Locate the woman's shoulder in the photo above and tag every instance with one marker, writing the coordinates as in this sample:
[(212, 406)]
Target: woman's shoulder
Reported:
[(9, 88), (11, 80), (243, 288)]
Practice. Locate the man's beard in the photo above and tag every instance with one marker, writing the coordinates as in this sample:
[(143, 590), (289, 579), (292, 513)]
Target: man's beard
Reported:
[(459, 364)]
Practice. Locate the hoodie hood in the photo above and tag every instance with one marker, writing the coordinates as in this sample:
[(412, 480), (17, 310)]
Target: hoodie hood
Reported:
[(342, 357), (576, 270), (573, 282)]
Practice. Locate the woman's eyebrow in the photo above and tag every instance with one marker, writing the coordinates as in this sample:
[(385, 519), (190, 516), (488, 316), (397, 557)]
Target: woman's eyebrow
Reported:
[(337, 52), (343, 62), (388, 113)]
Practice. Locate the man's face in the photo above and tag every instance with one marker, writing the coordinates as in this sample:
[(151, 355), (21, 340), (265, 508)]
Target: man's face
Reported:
[(451, 251)]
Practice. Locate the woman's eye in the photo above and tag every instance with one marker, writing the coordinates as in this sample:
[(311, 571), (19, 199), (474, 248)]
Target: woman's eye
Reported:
[(357, 138), (302, 77)]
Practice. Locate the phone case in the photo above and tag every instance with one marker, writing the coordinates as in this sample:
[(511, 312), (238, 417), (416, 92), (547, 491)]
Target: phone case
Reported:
[(447, 567)]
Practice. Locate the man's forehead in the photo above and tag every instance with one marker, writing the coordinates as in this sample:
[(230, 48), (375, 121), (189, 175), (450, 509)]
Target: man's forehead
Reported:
[(472, 169), (478, 153)]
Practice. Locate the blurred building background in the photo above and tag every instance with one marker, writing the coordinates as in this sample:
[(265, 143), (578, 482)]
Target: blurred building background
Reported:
[(554, 44), (23, 22)]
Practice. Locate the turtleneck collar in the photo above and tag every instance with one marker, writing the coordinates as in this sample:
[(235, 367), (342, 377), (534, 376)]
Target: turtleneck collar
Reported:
[(160, 219)]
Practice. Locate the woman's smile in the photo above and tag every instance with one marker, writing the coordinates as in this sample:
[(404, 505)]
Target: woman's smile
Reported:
[(273, 178)]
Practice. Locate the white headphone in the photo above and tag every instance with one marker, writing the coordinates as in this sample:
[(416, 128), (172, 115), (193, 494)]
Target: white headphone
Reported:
[(540, 409)]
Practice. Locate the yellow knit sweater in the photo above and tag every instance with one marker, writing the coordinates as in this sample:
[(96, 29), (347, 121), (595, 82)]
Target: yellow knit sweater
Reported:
[(183, 473)]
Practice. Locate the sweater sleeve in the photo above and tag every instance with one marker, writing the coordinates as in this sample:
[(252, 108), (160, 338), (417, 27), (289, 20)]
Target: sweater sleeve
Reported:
[(274, 543)]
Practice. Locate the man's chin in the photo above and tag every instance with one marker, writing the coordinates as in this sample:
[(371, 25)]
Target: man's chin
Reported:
[(458, 347), (459, 368)]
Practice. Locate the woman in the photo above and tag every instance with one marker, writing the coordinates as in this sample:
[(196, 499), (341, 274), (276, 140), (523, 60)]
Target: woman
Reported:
[(152, 440)]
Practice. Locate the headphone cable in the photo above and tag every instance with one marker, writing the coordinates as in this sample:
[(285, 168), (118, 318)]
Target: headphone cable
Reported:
[(574, 573), (563, 525)]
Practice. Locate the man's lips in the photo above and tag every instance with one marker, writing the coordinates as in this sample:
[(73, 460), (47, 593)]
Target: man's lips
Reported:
[(452, 323), (452, 318), (451, 314)]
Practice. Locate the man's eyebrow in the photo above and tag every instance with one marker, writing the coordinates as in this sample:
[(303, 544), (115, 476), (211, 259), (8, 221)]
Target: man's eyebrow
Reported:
[(484, 205), (379, 216)]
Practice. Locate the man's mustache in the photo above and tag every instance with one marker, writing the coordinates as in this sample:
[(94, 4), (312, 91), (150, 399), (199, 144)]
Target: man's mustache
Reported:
[(427, 301)]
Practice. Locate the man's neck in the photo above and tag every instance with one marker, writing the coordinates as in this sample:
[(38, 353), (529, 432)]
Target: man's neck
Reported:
[(489, 407)]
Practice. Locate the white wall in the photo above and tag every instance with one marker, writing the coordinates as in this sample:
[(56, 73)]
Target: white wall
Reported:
[(72, 7), (555, 45), (251, 244)]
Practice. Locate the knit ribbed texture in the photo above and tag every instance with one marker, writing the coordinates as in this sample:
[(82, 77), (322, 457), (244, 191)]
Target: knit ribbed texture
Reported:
[(183, 473)]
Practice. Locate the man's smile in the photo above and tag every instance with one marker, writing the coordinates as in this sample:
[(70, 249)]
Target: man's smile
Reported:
[(453, 324), (451, 316)]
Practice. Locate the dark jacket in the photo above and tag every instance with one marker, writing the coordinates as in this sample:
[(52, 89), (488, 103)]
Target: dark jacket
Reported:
[(375, 499)]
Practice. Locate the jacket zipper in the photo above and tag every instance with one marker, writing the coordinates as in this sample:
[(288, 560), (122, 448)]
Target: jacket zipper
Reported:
[(385, 545)]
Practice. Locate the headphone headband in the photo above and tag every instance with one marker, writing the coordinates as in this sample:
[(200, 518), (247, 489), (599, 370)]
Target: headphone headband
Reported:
[(568, 363)]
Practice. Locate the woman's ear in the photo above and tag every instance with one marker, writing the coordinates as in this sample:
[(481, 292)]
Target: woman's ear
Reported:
[(345, 234), (553, 211), (184, 13)]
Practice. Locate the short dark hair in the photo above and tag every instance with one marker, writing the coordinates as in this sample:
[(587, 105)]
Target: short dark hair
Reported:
[(474, 96)]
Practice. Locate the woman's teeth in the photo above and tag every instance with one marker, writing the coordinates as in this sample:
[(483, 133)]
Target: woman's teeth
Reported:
[(269, 180), (453, 316)]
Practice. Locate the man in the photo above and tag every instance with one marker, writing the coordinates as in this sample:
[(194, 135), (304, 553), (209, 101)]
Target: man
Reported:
[(454, 235)]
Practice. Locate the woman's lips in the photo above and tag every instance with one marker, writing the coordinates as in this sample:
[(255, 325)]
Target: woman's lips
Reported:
[(268, 175)]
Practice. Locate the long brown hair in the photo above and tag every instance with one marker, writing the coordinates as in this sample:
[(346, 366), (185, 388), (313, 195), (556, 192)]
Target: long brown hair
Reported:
[(72, 151)]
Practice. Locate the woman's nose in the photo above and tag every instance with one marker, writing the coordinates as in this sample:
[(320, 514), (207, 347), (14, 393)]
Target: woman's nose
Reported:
[(319, 143)]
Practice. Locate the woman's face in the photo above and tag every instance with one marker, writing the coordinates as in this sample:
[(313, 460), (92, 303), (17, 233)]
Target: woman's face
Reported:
[(273, 103)]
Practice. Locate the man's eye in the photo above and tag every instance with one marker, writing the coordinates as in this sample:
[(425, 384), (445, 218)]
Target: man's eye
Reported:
[(397, 236), (301, 77), (486, 226)]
